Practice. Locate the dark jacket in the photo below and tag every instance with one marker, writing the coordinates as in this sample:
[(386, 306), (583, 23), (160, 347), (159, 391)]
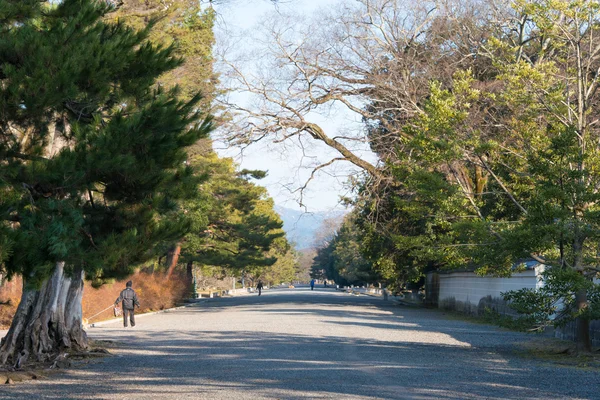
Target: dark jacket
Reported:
[(129, 298)]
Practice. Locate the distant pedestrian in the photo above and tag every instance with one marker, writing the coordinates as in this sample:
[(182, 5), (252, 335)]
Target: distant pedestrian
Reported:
[(312, 284), (259, 287), (129, 301)]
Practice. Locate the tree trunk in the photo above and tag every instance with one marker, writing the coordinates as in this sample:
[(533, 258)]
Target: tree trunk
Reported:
[(48, 319), (190, 270), (173, 259), (584, 342)]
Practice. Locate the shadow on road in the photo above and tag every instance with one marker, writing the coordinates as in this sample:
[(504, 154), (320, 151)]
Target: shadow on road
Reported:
[(415, 363)]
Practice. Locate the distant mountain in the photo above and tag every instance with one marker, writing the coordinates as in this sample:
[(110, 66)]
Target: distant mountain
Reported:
[(303, 228)]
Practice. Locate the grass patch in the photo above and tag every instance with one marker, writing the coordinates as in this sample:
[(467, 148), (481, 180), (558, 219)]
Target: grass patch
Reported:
[(492, 317), (559, 352), (520, 324), (475, 319), (154, 291)]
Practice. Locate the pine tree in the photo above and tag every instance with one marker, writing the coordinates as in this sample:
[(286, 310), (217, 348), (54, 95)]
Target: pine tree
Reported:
[(187, 26), (234, 225), (92, 161)]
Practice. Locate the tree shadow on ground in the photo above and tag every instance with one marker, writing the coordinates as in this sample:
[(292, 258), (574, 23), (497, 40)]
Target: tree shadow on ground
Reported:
[(222, 364)]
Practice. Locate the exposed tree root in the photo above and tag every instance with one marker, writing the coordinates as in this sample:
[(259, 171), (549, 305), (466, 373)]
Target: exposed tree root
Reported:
[(47, 322)]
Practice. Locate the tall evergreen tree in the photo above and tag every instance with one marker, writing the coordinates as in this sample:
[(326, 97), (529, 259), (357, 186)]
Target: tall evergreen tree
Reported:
[(189, 28), (344, 258), (235, 225), (92, 160)]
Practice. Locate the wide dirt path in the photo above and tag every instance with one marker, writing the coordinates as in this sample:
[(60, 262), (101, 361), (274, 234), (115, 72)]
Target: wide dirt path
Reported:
[(292, 344)]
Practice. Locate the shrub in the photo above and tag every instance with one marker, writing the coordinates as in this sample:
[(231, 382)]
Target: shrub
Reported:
[(10, 297), (154, 291)]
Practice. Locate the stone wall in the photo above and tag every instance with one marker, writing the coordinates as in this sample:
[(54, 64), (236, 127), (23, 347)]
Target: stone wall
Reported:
[(496, 304), (468, 293)]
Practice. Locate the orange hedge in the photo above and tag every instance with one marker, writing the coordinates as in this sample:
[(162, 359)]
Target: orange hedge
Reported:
[(154, 291)]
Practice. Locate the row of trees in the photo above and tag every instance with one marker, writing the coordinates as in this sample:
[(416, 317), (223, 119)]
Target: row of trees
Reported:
[(483, 116), (106, 164), (235, 230), (233, 223)]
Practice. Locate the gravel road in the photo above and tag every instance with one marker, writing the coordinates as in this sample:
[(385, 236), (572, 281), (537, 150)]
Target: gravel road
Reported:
[(298, 344)]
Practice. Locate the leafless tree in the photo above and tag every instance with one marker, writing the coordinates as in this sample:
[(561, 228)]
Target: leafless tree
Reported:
[(371, 59)]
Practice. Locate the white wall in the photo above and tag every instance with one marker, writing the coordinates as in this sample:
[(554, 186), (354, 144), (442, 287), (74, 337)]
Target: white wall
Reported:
[(467, 287)]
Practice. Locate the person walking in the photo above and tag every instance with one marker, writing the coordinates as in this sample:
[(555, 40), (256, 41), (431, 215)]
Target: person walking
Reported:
[(129, 301), (259, 287), (312, 284)]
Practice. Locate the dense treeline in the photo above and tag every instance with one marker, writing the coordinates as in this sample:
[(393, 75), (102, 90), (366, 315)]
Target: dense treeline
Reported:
[(484, 118), (233, 224), (106, 164)]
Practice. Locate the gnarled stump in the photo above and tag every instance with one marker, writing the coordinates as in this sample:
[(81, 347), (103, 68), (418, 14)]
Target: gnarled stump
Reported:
[(47, 320)]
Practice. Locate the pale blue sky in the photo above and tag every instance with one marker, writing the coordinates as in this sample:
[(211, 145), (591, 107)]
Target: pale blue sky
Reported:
[(288, 167)]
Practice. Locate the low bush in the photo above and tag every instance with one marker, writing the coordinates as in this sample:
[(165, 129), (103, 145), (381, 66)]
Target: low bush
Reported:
[(154, 292), (10, 297)]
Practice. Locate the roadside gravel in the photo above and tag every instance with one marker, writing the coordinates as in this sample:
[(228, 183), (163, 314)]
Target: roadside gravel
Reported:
[(293, 344)]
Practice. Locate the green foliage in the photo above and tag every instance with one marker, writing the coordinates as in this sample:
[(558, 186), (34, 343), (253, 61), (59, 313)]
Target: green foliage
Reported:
[(92, 150), (229, 230), (256, 174), (554, 303), (284, 268), (234, 225), (342, 259), (499, 163), (184, 25), (522, 324)]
